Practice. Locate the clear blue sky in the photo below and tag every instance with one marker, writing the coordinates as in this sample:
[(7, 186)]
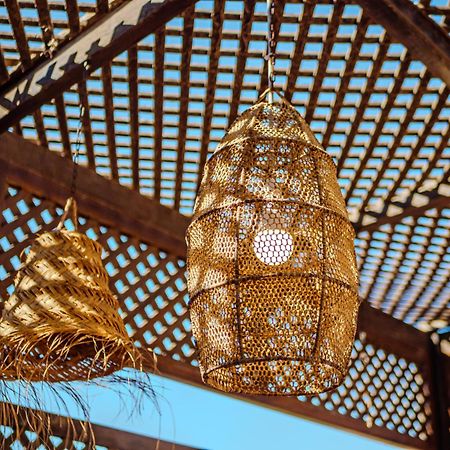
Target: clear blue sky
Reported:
[(208, 420)]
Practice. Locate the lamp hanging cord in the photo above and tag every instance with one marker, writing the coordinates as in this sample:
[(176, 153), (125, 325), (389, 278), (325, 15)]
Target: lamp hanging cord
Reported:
[(270, 56)]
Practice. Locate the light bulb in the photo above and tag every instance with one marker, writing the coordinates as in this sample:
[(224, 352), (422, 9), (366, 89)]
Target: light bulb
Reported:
[(273, 246)]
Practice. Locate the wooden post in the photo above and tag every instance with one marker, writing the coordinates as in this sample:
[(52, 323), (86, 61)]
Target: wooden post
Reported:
[(438, 392)]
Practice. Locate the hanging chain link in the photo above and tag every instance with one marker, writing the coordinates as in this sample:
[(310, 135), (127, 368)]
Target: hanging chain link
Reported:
[(73, 184), (270, 45)]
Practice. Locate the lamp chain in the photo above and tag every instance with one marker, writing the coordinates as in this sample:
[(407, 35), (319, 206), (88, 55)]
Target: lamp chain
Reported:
[(73, 185), (270, 48)]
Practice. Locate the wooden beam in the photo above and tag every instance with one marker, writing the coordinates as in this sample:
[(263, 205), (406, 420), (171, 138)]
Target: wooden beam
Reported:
[(97, 45), (185, 75), (134, 113), (106, 437), (158, 83), (47, 174), (423, 37), (214, 55)]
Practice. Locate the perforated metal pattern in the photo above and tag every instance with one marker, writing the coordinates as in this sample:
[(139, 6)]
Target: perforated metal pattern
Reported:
[(272, 271)]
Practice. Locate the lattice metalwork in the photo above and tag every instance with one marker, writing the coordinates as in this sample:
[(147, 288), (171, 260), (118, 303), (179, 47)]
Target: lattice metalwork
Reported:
[(382, 391)]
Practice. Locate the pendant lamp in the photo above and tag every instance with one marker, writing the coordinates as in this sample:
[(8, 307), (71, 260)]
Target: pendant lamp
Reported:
[(272, 271), (62, 322)]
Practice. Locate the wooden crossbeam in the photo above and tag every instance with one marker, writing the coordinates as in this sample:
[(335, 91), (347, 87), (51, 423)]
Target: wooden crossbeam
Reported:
[(45, 173), (423, 37), (75, 430), (97, 45)]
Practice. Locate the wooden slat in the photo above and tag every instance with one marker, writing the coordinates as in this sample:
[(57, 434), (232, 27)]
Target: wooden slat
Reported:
[(390, 279), (244, 39), (109, 119), (416, 298), (184, 99), (15, 19), (86, 121), (420, 34), (345, 79), (45, 21), (299, 48), (405, 122), (73, 14), (422, 137), (134, 113), (443, 145), (382, 119), (324, 58), (365, 96), (63, 129), (159, 108), (108, 37), (217, 24), (3, 70), (47, 174), (401, 310), (102, 6)]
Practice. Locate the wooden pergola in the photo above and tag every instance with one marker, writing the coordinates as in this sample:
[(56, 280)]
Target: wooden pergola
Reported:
[(160, 81)]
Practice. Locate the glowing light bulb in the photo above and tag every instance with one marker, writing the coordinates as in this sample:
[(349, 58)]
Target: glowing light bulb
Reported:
[(273, 246)]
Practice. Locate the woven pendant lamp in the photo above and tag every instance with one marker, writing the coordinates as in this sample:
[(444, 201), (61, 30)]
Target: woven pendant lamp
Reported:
[(271, 262), (62, 322)]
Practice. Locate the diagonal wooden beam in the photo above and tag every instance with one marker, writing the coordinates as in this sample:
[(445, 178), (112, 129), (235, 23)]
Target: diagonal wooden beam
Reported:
[(407, 24), (47, 174), (97, 45)]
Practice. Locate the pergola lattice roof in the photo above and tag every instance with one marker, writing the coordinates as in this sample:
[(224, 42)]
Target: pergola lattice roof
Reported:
[(161, 99)]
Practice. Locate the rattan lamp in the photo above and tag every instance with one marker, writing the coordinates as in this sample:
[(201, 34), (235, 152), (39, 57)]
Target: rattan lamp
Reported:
[(271, 262), (62, 322)]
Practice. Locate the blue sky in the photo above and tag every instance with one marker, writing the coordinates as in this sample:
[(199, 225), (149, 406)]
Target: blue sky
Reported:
[(205, 419), (210, 420)]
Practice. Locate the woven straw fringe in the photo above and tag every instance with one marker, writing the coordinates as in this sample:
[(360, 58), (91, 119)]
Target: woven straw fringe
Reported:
[(272, 269)]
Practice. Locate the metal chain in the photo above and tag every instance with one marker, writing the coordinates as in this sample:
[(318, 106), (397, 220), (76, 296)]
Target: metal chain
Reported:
[(270, 56), (73, 185)]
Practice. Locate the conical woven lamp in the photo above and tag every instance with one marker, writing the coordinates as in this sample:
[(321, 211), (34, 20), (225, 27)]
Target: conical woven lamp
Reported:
[(272, 272), (62, 322)]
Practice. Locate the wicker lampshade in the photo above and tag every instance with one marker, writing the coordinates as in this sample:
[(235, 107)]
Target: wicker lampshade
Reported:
[(62, 322), (272, 272)]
